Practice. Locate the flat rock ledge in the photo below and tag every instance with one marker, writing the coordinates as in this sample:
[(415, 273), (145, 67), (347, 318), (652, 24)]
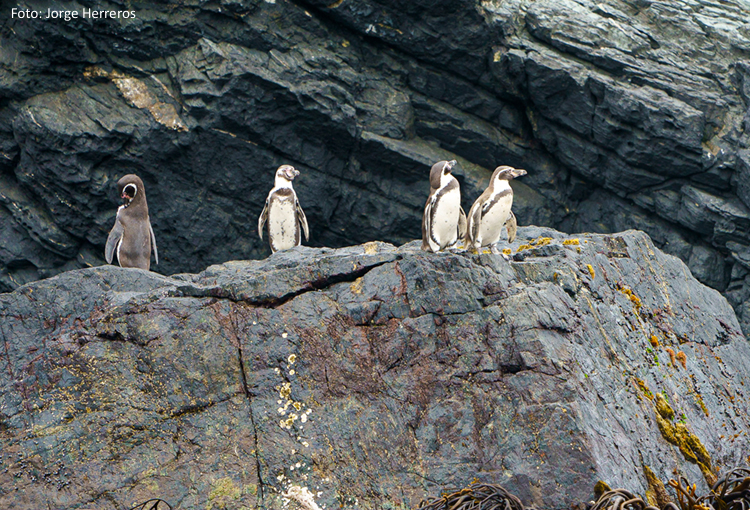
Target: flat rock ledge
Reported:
[(371, 376)]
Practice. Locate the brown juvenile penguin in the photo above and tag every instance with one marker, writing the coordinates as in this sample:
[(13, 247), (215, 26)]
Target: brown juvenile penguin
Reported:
[(132, 237)]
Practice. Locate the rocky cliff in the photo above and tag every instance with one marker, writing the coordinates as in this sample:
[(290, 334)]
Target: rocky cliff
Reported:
[(372, 377), (626, 113)]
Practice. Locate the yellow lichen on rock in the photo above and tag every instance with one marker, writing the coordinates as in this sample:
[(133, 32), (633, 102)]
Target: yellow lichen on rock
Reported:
[(356, 286), (663, 407), (223, 493), (371, 248), (535, 243), (574, 242), (600, 489), (631, 296), (644, 388), (679, 435), (591, 271), (656, 494)]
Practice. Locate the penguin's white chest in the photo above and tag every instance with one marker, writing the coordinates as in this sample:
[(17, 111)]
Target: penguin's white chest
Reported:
[(282, 223), (445, 218), (494, 219)]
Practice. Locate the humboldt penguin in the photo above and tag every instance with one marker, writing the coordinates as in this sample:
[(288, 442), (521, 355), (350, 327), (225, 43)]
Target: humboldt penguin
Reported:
[(444, 221), (491, 211), (283, 213), (132, 237)]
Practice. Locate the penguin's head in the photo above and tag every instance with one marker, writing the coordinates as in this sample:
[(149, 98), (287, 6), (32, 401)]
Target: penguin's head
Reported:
[(130, 188), (506, 173), (440, 174), (287, 173)]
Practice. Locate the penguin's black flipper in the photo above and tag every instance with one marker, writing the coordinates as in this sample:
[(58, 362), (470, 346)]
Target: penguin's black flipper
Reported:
[(475, 221), (461, 223), (115, 235), (302, 219), (512, 227), (153, 242), (426, 227), (262, 220)]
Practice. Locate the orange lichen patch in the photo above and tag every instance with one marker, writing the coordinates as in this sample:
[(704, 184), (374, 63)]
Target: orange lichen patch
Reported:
[(654, 341), (535, 243), (591, 271), (670, 351), (574, 242), (507, 251), (682, 358), (633, 298)]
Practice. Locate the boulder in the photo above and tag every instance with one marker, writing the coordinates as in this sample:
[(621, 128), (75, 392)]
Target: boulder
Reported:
[(371, 376)]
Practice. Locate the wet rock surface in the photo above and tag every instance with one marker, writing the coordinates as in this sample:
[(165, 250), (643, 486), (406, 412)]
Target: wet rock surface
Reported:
[(626, 114), (372, 376)]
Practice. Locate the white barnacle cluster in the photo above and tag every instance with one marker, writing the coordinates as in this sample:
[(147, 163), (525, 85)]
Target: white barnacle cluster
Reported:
[(299, 472), (290, 409), (301, 495)]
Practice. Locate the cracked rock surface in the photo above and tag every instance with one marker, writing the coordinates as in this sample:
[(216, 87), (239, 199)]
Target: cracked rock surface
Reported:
[(372, 376), (626, 114)]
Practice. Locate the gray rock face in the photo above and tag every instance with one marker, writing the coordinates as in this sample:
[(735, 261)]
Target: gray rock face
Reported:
[(627, 114), (372, 376)]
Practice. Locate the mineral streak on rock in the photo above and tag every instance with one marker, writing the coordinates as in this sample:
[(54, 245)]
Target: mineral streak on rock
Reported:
[(626, 114), (409, 373)]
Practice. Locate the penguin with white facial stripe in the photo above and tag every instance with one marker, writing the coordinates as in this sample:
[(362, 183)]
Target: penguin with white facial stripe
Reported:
[(132, 237), (283, 213), (492, 211), (444, 221)]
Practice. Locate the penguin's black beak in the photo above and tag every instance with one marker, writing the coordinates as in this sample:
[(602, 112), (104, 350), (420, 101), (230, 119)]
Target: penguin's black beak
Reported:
[(517, 172), (449, 166), (128, 193)]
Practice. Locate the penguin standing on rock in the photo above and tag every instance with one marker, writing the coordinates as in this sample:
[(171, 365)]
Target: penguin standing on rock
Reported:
[(283, 213), (132, 237), (444, 221), (491, 211)]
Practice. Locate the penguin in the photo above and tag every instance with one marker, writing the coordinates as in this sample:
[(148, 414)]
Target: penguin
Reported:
[(132, 237), (283, 213), (491, 211), (444, 221)]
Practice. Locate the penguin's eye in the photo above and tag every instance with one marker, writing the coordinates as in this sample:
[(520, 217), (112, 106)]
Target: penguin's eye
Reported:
[(130, 190)]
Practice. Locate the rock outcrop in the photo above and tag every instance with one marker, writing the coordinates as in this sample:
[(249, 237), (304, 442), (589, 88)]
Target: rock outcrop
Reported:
[(627, 114), (371, 376)]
